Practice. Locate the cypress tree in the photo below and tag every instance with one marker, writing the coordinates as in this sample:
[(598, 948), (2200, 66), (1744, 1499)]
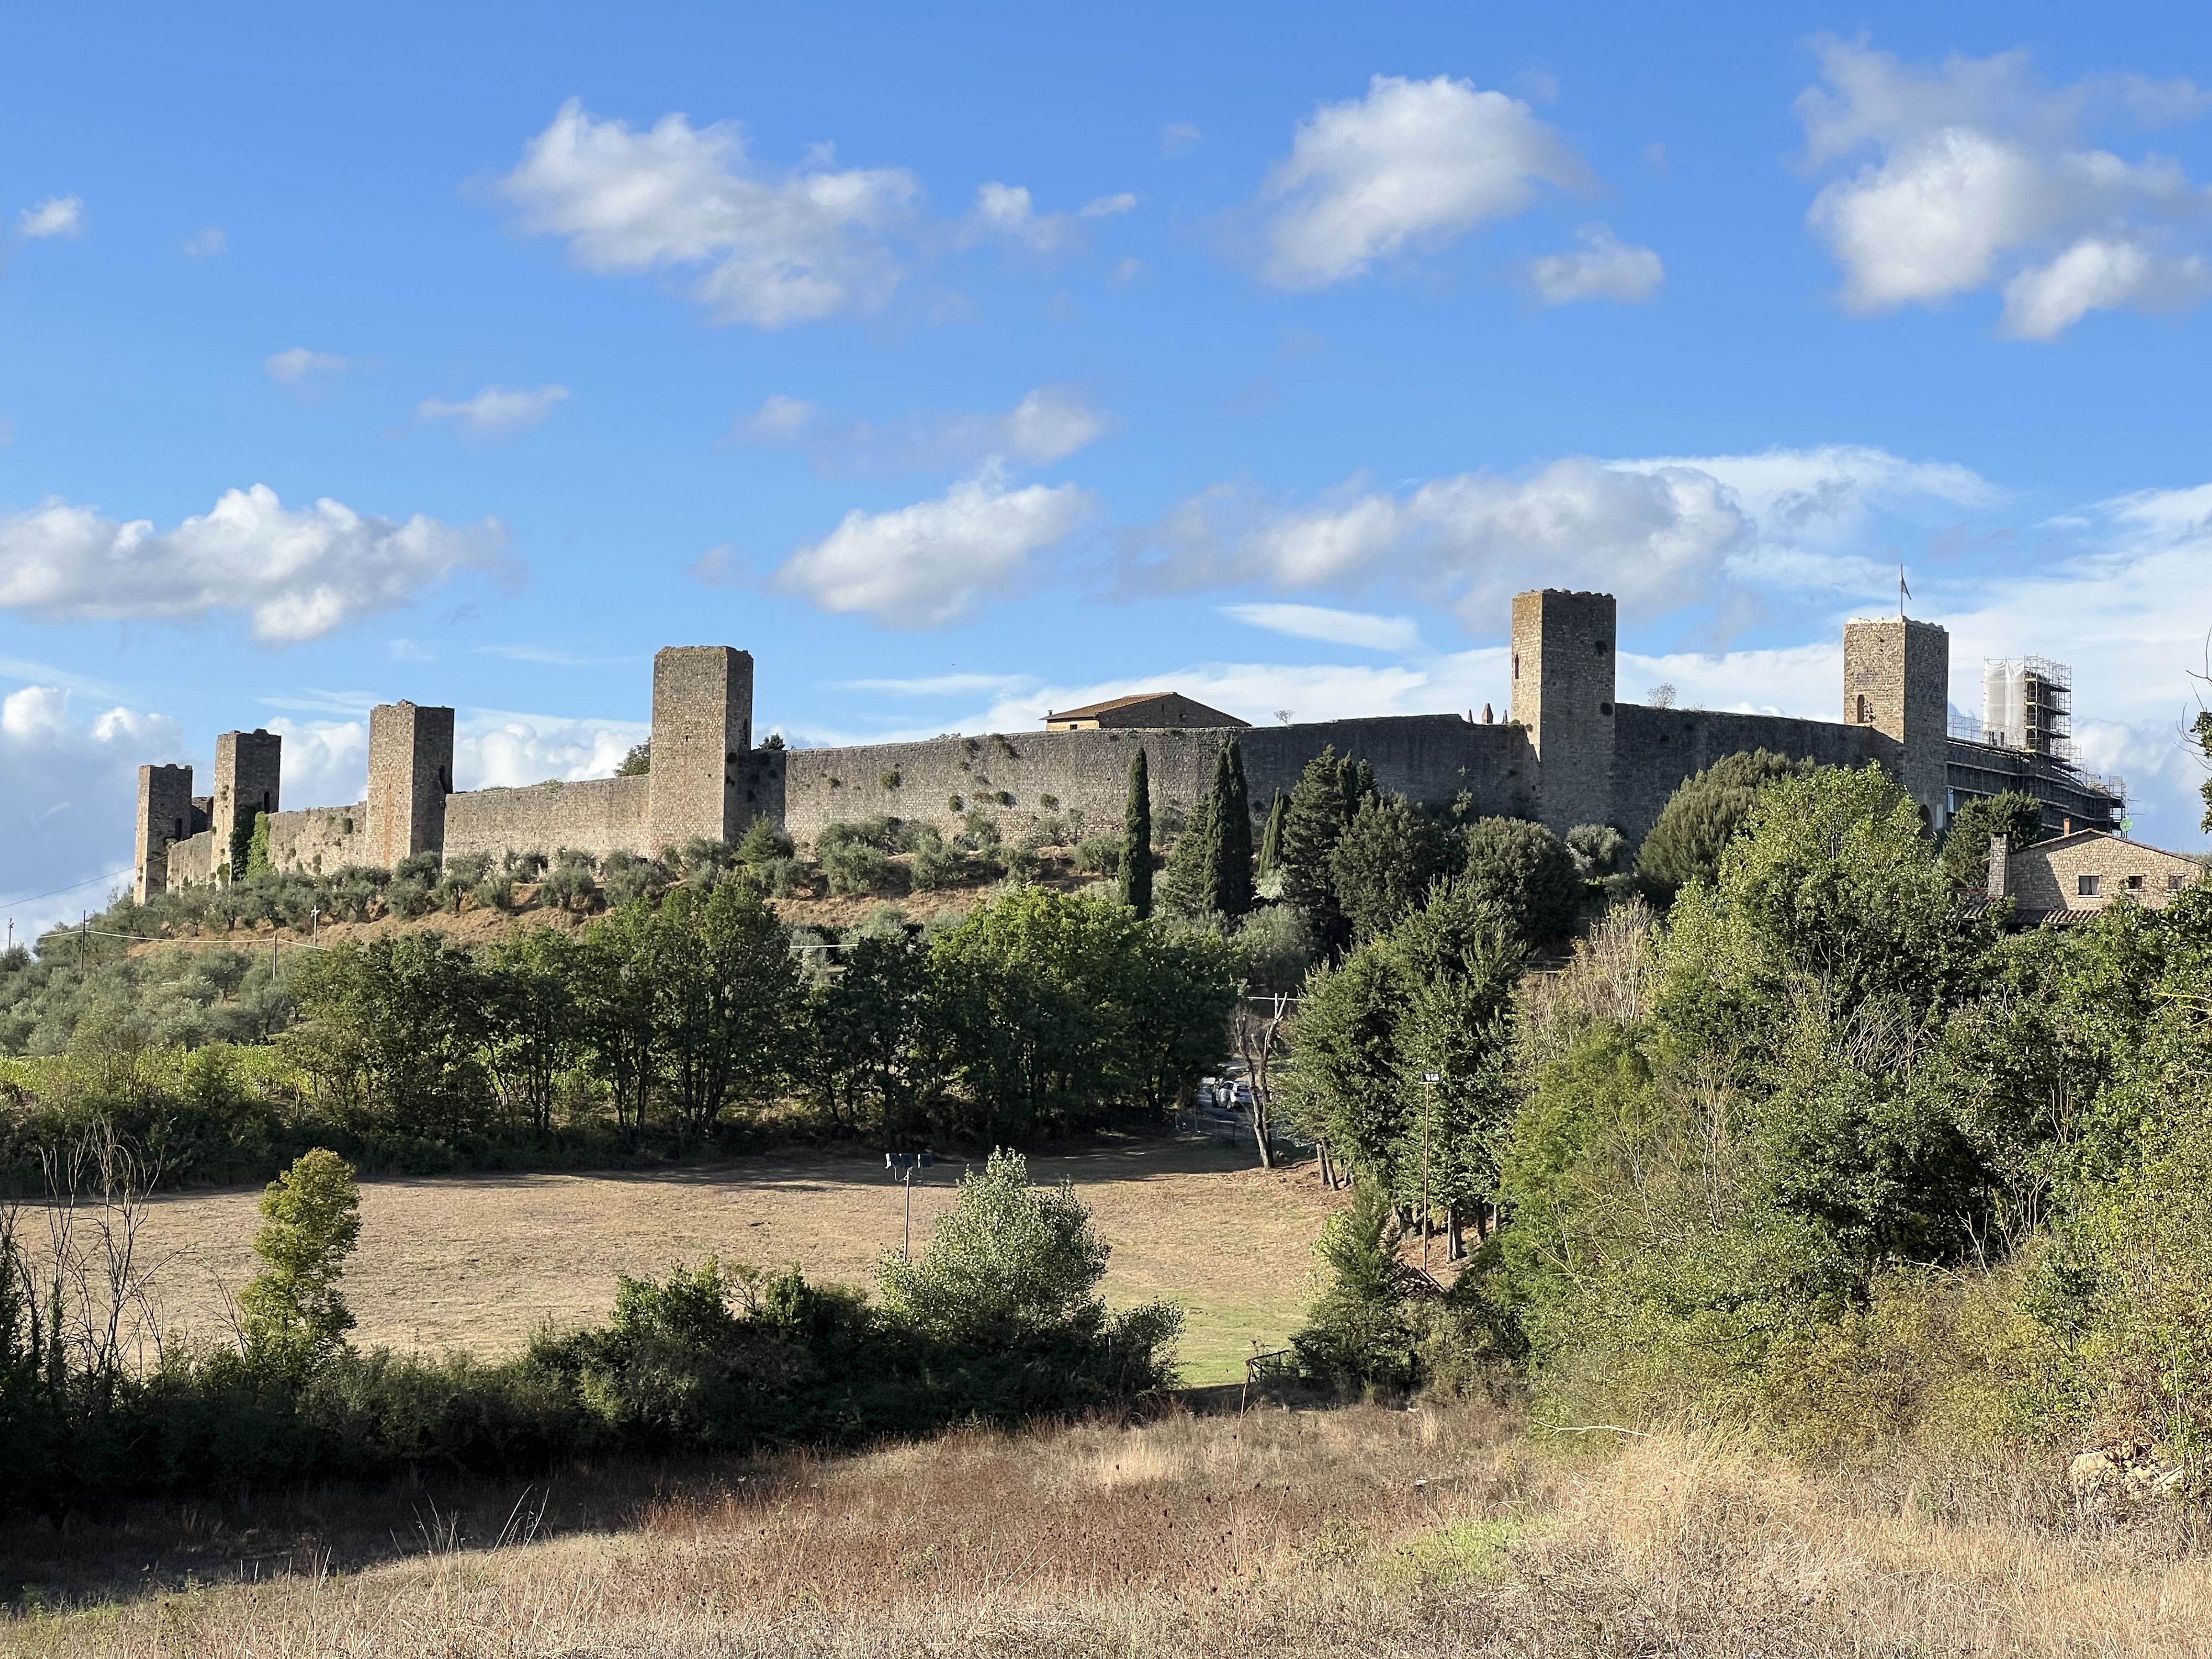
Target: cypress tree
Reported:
[(1271, 838), (1232, 832), (1137, 839)]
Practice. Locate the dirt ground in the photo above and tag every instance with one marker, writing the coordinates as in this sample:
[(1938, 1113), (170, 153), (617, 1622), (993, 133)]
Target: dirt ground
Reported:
[(480, 1262)]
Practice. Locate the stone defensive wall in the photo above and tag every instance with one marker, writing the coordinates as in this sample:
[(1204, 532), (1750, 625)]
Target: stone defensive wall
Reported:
[(1023, 775), (599, 815), (1655, 749)]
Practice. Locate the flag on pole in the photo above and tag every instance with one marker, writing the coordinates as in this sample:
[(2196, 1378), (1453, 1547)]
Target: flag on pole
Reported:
[(1903, 591)]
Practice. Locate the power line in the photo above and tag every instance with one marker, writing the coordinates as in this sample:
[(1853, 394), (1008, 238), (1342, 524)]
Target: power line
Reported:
[(33, 898)]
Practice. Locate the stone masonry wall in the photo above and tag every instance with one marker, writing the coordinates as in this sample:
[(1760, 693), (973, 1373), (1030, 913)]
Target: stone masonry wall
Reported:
[(599, 816), (1655, 749), (192, 861), (320, 840), (1428, 756)]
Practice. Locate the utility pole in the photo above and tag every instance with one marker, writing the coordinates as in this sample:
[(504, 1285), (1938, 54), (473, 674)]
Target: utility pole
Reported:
[(1428, 1111)]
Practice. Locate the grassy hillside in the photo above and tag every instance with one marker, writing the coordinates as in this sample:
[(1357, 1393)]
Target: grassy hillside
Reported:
[(1447, 1530)]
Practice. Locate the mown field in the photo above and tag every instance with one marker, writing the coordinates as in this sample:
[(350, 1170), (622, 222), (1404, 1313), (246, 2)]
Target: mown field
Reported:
[(478, 1262)]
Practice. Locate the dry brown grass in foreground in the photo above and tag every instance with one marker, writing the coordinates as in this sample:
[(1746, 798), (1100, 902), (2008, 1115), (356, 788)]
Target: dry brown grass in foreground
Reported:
[(1366, 1530), (478, 1261)]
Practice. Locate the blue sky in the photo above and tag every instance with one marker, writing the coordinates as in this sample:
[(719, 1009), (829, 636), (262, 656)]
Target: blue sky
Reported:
[(959, 367)]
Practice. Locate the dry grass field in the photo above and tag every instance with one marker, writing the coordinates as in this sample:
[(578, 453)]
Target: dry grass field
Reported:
[(1443, 1531), (480, 1262)]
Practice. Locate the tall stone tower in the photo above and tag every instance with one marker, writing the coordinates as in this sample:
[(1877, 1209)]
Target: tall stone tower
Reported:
[(1897, 680), (247, 767), (165, 815), (702, 726), (1563, 652), (411, 773)]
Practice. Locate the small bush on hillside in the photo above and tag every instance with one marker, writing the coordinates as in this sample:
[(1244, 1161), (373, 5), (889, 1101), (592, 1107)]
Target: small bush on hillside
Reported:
[(1099, 855), (762, 841), (853, 865), (1362, 1333), (630, 879), (935, 864)]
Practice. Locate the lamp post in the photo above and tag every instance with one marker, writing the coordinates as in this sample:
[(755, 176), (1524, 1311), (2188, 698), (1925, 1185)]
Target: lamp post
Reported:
[(902, 1165), (1429, 1081)]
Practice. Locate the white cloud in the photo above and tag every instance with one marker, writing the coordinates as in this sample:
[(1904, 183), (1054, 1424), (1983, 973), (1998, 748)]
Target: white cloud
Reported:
[(778, 420), (68, 788), (57, 215), (779, 249), (1413, 163), (300, 362), (1979, 177), (1048, 424), (326, 762), (298, 573), (1314, 621), (494, 749), (931, 563), (1009, 210), (206, 243), (1178, 136), (497, 412), (1654, 535), (1605, 269)]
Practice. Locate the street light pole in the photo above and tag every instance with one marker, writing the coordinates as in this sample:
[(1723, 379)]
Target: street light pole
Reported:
[(1428, 1113)]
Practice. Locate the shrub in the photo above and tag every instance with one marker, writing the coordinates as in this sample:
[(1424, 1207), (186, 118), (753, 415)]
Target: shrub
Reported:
[(762, 841), (935, 864), (1099, 855), (853, 865), (1362, 1333)]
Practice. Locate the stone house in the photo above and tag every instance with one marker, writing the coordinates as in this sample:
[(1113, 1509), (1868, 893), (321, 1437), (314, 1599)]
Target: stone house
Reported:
[(2088, 871)]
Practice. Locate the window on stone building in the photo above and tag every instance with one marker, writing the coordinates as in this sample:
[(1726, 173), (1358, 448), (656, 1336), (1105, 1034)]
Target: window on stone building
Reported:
[(2135, 883), (1865, 710), (2088, 886), (2175, 883)]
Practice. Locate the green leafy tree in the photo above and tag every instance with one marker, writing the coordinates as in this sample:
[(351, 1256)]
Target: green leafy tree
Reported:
[(533, 988), (618, 1006), (1704, 814), (1187, 885), (863, 1053), (292, 1315), (2016, 815), (395, 1030), (1326, 795), (725, 989), (1136, 872), (1525, 871), (1384, 863), (637, 762)]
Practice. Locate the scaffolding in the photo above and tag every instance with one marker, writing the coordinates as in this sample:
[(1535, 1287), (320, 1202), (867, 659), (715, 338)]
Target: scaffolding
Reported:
[(2027, 703)]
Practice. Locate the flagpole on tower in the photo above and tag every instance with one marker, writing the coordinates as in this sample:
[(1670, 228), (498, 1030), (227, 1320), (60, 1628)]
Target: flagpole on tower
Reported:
[(1903, 592)]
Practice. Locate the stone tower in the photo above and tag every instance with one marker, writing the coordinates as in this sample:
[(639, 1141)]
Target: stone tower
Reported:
[(702, 726), (1897, 680), (411, 773), (1562, 651), (165, 815), (247, 767)]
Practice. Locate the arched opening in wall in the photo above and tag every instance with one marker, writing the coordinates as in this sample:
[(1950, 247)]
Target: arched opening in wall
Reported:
[(1517, 665), (1864, 713)]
